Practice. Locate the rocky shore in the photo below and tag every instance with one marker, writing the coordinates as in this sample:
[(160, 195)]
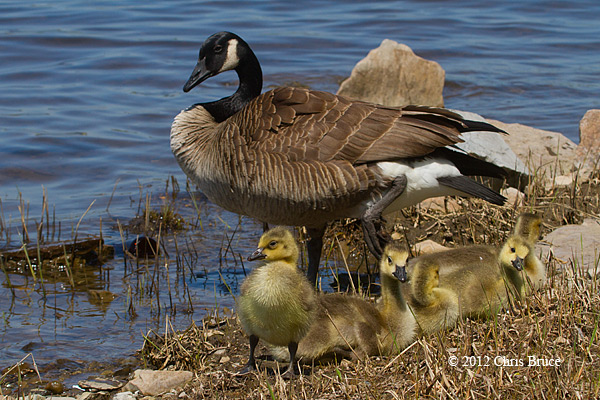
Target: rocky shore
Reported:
[(550, 174)]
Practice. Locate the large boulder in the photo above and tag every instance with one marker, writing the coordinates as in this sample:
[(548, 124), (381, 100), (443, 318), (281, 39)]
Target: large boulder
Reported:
[(547, 155), (578, 244), (588, 150), (394, 76)]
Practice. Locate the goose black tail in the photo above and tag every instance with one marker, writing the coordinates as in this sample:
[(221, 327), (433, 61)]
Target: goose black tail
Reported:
[(473, 188)]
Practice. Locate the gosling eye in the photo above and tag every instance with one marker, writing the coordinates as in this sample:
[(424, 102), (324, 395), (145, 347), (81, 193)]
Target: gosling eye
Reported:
[(218, 48), (390, 261), (273, 244), (512, 249)]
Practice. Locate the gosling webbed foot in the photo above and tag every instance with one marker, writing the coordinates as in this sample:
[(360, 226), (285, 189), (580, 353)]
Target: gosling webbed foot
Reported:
[(251, 364)]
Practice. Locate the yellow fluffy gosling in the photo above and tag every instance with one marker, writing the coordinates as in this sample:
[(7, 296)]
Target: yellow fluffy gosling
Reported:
[(528, 227), (400, 324), (520, 264), (436, 308), (351, 327), (277, 303)]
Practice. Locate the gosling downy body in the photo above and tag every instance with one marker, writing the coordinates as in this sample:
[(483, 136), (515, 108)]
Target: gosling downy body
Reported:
[(293, 156), (473, 273), (277, 303), (351, 327), (436, 308), (344, 327)]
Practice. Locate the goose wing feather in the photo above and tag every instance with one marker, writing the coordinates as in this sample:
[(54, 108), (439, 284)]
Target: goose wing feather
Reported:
[(313, 125)]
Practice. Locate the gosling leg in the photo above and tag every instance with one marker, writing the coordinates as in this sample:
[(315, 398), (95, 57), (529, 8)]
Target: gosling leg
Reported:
[(314, 247), (251, 365), (371, 219), (291, 370)]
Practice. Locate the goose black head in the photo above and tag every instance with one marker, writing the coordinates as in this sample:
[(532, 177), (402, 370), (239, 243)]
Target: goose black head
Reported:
[(221, 52)]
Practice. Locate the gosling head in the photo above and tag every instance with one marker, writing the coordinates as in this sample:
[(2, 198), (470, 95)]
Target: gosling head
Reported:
[(393, 262), (514, 252), (277, 244), (528, 227), (221, 52)]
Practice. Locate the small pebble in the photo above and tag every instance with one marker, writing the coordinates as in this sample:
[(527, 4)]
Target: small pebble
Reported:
[(55, 387)]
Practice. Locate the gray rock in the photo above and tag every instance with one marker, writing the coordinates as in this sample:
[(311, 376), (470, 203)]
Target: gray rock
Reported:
[(588, 149), (546, 154), (101, 384), (124, 396), (93, 395), (154, 383), (514, 198), (60, 398), (394, 76), (579, 244)]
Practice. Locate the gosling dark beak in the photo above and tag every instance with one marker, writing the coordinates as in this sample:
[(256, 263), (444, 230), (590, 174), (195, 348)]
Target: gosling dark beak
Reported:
[(199, 75), (518, 263), (257, 255), (400, 274)]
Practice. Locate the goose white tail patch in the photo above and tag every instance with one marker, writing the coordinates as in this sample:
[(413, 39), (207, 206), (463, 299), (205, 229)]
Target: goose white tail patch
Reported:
[(232, 60), (420, 174)]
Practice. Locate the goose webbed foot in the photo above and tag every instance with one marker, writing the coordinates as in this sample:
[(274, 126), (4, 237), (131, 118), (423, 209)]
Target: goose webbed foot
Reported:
[(375, 235)]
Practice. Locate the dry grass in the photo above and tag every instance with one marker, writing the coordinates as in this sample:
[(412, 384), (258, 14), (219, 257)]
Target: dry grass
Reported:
[(494, 356), (559, 322)]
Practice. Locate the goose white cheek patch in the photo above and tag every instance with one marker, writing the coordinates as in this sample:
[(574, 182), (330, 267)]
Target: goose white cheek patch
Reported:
[(232, 60)]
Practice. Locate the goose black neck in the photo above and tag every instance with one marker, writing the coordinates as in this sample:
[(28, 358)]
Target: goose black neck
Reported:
[(250, 76)]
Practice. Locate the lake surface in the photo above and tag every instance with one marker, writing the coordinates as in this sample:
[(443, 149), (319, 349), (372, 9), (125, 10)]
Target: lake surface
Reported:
[(88, 92)]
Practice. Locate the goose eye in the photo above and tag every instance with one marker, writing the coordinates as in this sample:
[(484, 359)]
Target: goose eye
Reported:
[(218, 48), (273, 243), (390, 260), (512, 249)]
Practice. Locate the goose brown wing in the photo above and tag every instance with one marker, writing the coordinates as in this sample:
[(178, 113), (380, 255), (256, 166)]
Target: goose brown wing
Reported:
[(313, 125)]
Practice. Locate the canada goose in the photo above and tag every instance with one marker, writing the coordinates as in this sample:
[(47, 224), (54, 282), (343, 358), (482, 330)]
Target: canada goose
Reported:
[(436, 308), (520, 264), (351, 327), (400, 322), (293, 156), (277, 302)]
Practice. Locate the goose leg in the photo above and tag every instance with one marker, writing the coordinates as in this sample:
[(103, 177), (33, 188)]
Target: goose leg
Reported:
[(251, 365), (314, 247), (371, 219)]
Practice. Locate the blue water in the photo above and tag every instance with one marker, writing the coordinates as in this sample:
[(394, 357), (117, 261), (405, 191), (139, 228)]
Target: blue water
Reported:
[(88, 91)]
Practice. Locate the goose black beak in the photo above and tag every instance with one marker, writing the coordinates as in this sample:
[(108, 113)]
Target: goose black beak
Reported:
[(199, 75), (257, 255), (400, 274), (518, 264)]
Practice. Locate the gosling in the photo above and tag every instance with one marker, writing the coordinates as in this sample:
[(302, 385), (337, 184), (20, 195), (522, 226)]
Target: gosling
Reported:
[(351, 327), (400, 324), (475, 273), (528, 227), (436, 308), (277, 303), (521, 266)]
